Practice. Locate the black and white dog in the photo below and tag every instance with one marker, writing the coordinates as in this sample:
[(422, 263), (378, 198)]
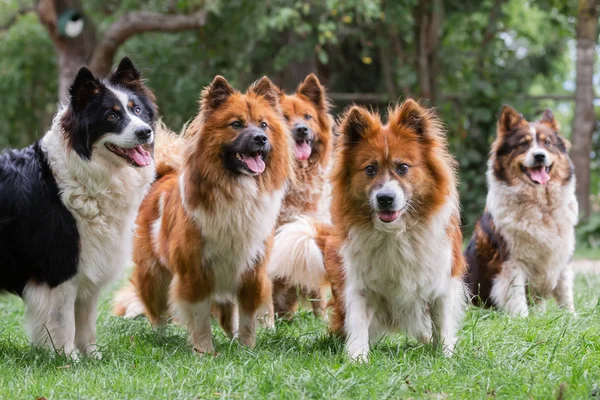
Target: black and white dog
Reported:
[(68, 204)]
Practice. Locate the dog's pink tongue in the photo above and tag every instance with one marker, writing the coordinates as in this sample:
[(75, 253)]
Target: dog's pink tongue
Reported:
[(388, 216), (255, 163), (140, 156), (302, 151), (539, 175)]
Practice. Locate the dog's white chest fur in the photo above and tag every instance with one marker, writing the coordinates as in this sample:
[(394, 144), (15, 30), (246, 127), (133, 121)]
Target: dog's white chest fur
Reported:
[(400, 273), (234, 233), (104, 200), (538, 226)]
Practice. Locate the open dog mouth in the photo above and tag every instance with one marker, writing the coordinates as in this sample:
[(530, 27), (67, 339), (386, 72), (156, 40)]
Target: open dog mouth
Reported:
[(538, 174), (253, 161), (388, 216), (303, 149), (138, 156)]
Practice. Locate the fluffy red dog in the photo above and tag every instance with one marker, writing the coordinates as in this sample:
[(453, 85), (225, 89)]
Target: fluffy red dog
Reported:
[(205, 232), (393, 255), (311, 125)]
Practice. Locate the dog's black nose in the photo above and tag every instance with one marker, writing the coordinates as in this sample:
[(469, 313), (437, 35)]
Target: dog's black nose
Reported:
[(260, 138), (539, 157), (385, 199), (143, 133), (301, 131)]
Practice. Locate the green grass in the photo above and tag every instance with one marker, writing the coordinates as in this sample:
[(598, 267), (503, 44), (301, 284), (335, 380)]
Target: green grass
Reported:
[(537, 357), (587, 253)]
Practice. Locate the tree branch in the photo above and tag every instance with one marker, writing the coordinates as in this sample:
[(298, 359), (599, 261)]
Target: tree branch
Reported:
[(383, 98), (134, 23), (46, 10), (387, 62), (14, 18)]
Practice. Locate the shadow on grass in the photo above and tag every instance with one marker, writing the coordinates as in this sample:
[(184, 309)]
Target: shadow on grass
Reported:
[(21, 356)]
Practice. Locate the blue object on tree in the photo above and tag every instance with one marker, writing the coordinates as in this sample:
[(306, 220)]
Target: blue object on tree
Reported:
[(70, 23)]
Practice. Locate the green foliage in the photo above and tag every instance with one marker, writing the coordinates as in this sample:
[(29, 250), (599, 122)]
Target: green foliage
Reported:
[(588, 232), (28, 82)]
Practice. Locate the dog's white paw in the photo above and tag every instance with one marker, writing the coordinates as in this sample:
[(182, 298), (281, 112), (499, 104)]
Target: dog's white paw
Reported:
[(95, 354), (360, 355)]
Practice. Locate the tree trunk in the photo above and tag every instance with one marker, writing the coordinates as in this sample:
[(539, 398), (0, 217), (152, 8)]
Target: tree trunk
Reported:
[(428, 17), (584, 119), (85, 49), (387, 68), (72, 52)]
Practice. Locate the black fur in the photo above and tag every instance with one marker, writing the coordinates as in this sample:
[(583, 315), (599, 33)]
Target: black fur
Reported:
[(244, 144), (39, 240), (86, 119), (486, 251)]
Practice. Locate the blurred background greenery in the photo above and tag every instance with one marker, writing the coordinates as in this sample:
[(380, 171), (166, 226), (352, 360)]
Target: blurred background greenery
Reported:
[(465, 57)]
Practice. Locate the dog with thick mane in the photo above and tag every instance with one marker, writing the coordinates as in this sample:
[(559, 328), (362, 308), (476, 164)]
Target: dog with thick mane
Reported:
[(523, 243), (68, 204), (307, 113), (205, 230), (393, 254)]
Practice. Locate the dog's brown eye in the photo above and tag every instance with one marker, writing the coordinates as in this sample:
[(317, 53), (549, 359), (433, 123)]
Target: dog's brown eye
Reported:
[(402, 169), (547, 142), (264, 125), (111, 117), (307, 117), (371, 170), (137, 110), (236, 124), (286, 117)]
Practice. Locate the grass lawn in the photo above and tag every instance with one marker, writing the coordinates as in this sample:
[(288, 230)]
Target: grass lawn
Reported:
[(587, 253), (543, 356)]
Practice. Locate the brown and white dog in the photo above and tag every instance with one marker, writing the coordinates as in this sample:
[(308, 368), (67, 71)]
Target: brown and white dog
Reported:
[(393, 254), (311, 125), (204, 232), (524, 241), (307, 113)]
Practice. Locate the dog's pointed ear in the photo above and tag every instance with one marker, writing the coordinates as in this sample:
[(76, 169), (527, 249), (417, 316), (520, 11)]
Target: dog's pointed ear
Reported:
[(265, 88), (216, 93), (312, 89), (84, 89), (126, 74), (411, 115), (355, 125), (509, 119), (565, 144), (548, 119)]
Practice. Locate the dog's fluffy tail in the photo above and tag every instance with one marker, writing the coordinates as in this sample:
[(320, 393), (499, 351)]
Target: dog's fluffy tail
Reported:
[(168, 149), (297, 255), (126, 302)]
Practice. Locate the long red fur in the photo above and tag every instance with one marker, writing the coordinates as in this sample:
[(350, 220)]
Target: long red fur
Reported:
[(436, 178), (177, 249)]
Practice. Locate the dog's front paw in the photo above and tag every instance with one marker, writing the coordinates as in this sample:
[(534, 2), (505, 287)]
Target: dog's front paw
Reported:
[(74, 355), (268, 322), (94, 354), (359, 355), (448, 351), (204, 352)]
